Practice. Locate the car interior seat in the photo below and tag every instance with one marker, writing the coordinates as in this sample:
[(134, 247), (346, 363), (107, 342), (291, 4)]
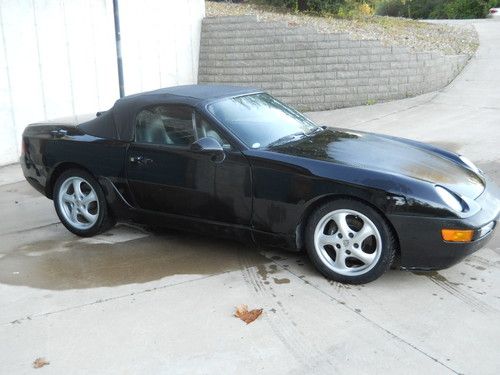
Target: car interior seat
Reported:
[(205, 130), (150, 129), (177, 131)]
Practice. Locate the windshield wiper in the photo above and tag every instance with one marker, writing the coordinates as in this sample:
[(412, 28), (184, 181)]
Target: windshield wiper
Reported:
[(287, 138), (316, 130)]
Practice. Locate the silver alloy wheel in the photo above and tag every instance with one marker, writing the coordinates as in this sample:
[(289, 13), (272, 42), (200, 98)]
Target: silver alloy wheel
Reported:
[(78, 203), (347, 242)]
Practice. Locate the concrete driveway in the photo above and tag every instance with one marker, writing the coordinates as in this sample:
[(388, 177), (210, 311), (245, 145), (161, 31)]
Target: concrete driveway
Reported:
[(129, 301)]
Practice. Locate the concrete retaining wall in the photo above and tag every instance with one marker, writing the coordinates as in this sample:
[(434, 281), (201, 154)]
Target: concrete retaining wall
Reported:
[(316, 71)]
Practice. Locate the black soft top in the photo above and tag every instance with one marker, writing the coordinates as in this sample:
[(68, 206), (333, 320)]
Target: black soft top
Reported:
[(118, 122)]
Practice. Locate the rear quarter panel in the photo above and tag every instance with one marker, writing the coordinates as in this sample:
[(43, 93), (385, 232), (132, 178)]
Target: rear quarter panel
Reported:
[(45, 156)]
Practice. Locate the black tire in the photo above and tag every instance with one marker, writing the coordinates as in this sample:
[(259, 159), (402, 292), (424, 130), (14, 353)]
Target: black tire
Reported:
[(104, 220), (386, 251)]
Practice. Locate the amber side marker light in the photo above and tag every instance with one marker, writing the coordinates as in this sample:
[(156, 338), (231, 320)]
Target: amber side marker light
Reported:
[(457, 235)]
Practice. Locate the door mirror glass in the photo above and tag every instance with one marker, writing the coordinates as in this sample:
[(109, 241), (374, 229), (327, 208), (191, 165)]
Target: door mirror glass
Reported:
[(209, 145)]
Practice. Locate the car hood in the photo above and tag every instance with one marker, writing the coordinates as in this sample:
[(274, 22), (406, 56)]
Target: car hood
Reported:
[(387, 154)]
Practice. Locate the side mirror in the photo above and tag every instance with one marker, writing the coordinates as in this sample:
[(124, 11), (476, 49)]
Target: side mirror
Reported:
[(209, 145)]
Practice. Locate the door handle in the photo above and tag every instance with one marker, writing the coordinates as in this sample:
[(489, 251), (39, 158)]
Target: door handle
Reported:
[(139, 159), (59, 133)]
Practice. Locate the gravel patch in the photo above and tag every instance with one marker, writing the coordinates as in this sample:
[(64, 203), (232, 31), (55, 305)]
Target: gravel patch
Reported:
[(417, 35)]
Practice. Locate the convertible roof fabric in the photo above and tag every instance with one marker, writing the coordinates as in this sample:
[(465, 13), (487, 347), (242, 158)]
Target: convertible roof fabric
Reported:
[(118, 122), (198, 92)]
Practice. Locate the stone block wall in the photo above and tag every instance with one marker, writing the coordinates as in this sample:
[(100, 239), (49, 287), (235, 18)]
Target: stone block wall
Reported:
[(316, 71)]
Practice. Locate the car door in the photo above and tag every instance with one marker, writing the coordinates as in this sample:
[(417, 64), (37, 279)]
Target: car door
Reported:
[(233, 183), (163, 174), (166, 176)]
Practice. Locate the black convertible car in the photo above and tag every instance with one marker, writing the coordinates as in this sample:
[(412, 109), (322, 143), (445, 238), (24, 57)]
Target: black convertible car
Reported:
[(236, 162)]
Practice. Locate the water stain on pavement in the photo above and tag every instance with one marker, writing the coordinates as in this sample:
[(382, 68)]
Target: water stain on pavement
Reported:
[(263, 272), (82, 263), (433, 275)]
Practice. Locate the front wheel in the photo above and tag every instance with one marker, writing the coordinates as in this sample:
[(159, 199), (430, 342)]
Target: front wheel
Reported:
[(80, 204), (350, 242)]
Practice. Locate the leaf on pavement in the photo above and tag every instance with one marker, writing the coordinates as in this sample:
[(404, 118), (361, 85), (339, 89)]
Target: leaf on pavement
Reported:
[(40, 362), (245, 315)]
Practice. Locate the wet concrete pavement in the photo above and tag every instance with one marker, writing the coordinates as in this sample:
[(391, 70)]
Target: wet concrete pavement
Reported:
[(131, 301)]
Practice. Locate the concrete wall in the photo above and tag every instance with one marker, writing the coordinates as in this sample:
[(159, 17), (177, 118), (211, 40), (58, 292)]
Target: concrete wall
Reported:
[(57, 57), (160, 42), (316, 71)]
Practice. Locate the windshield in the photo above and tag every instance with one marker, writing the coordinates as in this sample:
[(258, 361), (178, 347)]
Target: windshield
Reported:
[(261, 121)]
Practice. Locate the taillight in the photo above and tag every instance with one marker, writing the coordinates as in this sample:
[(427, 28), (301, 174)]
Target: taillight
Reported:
[(24, 148), (493, 11)]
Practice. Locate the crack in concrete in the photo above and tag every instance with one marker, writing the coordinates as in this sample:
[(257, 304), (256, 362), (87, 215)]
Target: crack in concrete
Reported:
[(8, 184), (24, 230), (110, 299)]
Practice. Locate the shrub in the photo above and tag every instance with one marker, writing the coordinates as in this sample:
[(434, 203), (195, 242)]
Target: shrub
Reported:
[(419, 9), (320, 6), (366, 9), (427, 9), (352, 8), (342, 8), (422, 9), (465, 9), (392, 8)]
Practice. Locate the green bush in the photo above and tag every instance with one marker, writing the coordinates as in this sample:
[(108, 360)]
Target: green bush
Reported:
[(391, 8), (438, 13), (320, 6), (427, 9), (418, 9), (336, 7), (434, 9), (465, 9)]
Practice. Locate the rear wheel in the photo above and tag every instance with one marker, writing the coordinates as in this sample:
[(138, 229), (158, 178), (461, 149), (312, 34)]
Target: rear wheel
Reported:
[(350, 242), (80, 204)]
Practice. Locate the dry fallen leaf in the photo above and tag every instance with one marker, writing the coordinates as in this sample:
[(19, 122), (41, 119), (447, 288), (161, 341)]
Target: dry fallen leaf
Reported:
[(40, 362), (245, 315)]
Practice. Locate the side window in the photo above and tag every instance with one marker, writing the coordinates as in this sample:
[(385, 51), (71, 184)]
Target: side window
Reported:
[(204, 129), (165, 125)]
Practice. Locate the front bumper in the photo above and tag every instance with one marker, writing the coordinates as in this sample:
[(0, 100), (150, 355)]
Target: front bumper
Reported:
[(422, 246)]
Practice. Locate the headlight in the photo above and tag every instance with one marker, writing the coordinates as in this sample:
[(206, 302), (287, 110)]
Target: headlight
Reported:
[(470, 164), (449, 198)]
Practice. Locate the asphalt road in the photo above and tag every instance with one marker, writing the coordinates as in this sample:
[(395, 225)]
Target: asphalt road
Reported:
[(129, 301)]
